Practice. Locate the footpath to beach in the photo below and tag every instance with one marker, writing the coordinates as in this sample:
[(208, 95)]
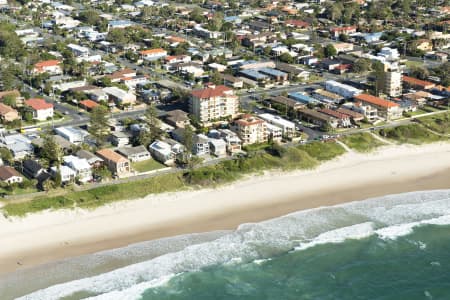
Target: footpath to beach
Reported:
[(50, 236)]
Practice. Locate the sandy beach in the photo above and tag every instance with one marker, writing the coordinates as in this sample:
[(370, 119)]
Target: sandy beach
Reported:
[(50, 236)]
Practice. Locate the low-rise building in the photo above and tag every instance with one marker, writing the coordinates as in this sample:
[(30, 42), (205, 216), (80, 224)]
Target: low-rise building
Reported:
[(177, 118), (287, 127), (74, 135), (19, 145), (93, 160), (343, 119), (317, 118), (200, 144), (217, 147), (116, 163), (119, 139), (82, 168), (162, 152), (386, 109), (153, 54), (345, 90), (250, 129), (10, 175), (66, 173), (135, 154), (41, 109), (417, 83), (52, 67), (119, 96), (8, 114)]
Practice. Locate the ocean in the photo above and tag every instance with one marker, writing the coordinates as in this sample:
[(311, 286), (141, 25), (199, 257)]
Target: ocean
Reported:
[(391, 247)]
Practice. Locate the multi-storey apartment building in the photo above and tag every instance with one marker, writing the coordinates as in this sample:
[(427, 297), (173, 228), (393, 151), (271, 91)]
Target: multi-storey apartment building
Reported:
[(213, 103)]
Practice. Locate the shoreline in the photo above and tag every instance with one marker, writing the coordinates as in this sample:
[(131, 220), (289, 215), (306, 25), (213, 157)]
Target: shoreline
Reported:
[(50, 236)]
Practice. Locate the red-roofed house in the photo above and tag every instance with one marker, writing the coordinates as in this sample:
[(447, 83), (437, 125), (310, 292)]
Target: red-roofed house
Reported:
[(213, 103), (417, 83), (153, 54), (115, 162), (386, 109), (297, 24), (336, 31), (48, 66), (343, 119), (40, 108), (88, 104)]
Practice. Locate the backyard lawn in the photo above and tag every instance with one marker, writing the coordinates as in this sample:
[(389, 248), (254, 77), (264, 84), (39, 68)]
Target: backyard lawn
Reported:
[(146, 165)]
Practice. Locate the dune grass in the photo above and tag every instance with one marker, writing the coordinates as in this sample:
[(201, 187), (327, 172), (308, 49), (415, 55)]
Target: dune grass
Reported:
[(362, 142)]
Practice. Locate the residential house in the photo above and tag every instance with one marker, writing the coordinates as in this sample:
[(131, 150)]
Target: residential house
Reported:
[(119, 96), (67, 174), (177, 118), (286, 102), (93, 160), (298, 24), (78, 51), (386, 109), (52, 67), (81, 167), (8, 114), (347, 30), (217, 147), (116, 163), (74, 135), (343, 119), (232, 81), (10, 175), (353, 115), (153, 54), (234, 143), (134, 154), (119, 139), (191, 68), (19, 145), (200, 144), (33, 170), (213, 103), (250, 129), (65, 145), (41, 109), (88, 104), (162, 152)]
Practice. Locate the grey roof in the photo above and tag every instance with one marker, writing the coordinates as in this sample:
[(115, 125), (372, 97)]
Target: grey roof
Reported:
[(89, 156), (65, 144), (129, 151)]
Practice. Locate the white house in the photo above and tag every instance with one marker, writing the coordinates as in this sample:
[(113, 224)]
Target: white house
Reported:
[(81, 167), (78, 51), (67, 174), (52, 67), (73, 135), (153, 54), (41, 109), (119, 96)]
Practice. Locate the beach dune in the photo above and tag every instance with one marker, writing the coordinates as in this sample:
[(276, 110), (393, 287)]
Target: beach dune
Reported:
[(54, 235)]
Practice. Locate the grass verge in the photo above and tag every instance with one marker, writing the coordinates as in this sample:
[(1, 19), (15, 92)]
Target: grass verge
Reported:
[(147, 165)]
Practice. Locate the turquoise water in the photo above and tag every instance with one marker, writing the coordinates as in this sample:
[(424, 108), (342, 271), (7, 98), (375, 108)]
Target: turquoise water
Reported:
[(416, 266), (392, 247)]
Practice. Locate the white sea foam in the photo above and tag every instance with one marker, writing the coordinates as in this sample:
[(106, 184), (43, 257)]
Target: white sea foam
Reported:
[(388, 217), (358, 231)]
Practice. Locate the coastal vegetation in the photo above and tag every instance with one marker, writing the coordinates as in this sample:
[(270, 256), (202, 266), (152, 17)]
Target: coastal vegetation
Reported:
[(438, 123), (272, 158), (362, 142), (411, 134)]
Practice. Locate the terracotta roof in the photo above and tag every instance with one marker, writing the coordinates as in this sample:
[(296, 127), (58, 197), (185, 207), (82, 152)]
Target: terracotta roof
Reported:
[(47, 63), (175, 39), (211, 92), (346, 28), (89, 103), (4, 109), (375, 100), (111, 155), (350, 113), (418, 82), (8, 172), (333, 113), (297, 23), (248, 120), (152, 51), (38, 104)]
